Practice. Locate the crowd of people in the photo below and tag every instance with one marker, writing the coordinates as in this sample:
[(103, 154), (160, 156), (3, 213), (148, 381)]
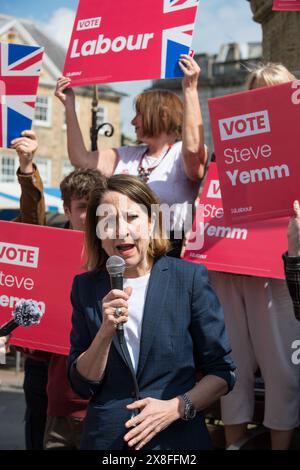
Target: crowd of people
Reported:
[(200, 340)]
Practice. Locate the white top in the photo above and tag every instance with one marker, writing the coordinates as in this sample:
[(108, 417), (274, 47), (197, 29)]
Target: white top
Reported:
[(168, 180), (133, 327)]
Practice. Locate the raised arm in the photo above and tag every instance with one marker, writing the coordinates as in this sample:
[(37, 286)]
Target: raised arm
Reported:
[(194, 151), (32, 202), (105, 160)]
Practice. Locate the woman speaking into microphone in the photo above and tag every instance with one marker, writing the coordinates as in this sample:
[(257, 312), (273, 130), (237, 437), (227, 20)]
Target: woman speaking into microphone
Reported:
[(144, 391)]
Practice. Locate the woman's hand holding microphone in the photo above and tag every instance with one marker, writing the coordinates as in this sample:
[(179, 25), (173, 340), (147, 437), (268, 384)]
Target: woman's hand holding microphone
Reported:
[(115, 310)]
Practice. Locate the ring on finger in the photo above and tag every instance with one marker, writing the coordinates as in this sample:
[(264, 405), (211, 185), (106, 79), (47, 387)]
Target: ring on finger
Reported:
[(118, 312)]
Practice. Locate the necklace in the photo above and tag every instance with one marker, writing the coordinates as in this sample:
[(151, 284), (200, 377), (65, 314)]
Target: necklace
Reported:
[(144, 173)]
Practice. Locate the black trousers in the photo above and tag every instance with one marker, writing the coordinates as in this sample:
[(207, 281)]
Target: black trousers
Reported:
[(35, 391)]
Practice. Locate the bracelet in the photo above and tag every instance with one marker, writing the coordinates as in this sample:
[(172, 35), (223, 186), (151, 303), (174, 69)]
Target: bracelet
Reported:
[(26, 174)]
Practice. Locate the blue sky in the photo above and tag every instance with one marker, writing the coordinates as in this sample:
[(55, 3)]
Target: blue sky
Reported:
[(34, 8), (218, 21)]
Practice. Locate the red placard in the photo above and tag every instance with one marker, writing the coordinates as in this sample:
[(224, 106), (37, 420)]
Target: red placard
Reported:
[(289, 5), (250, 248), (257, 145), (129, 40), (39, 263)]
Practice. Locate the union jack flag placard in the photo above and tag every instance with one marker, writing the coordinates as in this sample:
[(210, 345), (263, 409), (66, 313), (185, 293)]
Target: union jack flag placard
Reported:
[(20, 67), (135, 41)]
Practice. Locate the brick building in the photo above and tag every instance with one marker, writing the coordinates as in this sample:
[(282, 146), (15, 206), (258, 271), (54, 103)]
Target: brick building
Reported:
[(281, 34)]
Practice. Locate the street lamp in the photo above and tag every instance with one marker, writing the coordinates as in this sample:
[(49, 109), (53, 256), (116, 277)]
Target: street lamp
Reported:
[(94, 130)]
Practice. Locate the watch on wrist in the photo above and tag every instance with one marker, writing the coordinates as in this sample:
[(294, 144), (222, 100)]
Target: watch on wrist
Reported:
[(189, 410)]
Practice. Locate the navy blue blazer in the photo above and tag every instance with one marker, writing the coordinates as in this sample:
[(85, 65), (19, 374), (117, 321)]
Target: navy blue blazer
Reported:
[(182, 332)]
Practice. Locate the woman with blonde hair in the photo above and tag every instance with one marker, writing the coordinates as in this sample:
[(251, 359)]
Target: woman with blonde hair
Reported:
[(142, 382), (267, 75), (262, 328)]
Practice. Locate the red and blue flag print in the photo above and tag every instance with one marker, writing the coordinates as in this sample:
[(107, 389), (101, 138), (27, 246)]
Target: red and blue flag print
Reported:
[(177, 40), (138, 40), (20, 67)]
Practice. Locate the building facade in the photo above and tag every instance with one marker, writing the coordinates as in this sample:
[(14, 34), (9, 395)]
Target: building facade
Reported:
[(281, 34), (49, 123), (221, 74)]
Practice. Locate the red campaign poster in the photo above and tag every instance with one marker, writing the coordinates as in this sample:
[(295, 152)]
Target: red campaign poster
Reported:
[(39, 263), (257, 145), (248, 248), (129, 40), (288, 5)]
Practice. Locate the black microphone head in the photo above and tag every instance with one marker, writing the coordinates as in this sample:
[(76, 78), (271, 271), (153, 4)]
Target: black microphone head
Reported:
[(115, 265)]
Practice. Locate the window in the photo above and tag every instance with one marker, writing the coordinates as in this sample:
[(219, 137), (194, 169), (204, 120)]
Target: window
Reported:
[(66, 168), (8, 169), (43, 111), (101, 118), (44, 167)]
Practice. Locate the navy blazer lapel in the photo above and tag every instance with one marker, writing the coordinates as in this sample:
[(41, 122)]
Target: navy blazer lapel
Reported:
[(154, 308)]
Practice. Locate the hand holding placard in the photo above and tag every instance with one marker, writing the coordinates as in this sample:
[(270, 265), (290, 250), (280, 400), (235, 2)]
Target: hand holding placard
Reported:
[(64, 92), (26, 147)]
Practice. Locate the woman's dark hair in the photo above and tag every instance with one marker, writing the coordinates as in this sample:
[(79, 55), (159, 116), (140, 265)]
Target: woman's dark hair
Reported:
[(137, 191)]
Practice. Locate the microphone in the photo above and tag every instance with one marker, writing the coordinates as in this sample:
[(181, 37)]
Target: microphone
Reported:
[(115, 266), (26, 313)]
